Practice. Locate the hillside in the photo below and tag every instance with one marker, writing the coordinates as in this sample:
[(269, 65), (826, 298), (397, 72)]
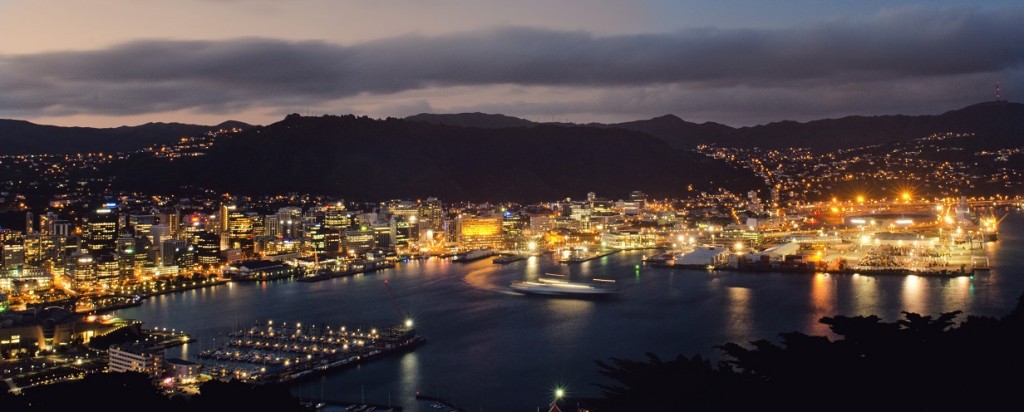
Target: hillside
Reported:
[(996, 124), (21, 137), (363, 158)]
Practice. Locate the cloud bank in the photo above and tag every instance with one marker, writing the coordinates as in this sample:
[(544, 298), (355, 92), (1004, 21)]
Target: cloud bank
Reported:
[(900, 58)]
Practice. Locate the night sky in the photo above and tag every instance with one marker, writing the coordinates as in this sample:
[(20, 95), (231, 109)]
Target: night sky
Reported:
[(111, 63)]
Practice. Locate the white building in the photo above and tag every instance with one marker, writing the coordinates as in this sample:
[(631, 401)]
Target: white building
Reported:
[(135, 359)]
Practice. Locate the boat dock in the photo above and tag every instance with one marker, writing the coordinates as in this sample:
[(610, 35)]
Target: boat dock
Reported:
[(580, 258), (509, 258), (472, 255), (353, 269), (283, 353)]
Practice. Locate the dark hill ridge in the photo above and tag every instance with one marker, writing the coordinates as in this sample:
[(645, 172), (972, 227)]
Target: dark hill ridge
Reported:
[(995, 123), (362, 158), (22, 137), (476, 119)]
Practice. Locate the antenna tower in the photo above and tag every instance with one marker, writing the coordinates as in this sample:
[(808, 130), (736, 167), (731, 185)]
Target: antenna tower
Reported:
[(999, 95)]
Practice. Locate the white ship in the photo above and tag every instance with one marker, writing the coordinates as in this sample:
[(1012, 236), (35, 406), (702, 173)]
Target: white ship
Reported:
[(565, 288)]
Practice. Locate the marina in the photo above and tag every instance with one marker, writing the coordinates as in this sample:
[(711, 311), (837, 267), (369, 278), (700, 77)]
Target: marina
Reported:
[(284, 353)]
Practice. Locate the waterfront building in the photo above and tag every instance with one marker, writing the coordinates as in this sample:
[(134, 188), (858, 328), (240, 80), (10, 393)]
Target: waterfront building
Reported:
[(540, 222), (26, 332), (405, 229), (477, 232), (258, 270), (431, 215), (313, 238), (136, 358), (357, 241), (383, 235), (207, 248), (181, 370), (336, 217)]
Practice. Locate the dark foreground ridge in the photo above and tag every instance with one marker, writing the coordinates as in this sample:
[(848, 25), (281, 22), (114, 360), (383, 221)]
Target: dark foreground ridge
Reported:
[(916, 363)]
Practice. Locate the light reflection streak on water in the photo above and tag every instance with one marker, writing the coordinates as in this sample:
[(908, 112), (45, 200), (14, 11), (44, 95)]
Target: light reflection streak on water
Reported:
[(823, 299), (410, 373), (738, 317), (865, 295), (955, 294), (570, 318), (915, 299)]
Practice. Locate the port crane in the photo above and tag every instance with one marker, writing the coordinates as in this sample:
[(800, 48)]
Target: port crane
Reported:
[(398, 308)]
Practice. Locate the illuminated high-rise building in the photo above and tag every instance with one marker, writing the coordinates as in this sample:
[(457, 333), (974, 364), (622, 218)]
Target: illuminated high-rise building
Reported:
[(313, 238), (272, 225), (46, 223), (81, 269), (404, 230), (141, 223), (12, 244), (336, 217), (101, 231), (359, 240), (383, 235), (126, 255), (207, 249), (240, 231), (479, 232), (289, 220)]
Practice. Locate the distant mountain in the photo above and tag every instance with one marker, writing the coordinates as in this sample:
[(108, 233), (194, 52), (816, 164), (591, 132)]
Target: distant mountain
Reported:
[(478, 120), (680, 133), (21, 137), (363, 158), (995, 124)]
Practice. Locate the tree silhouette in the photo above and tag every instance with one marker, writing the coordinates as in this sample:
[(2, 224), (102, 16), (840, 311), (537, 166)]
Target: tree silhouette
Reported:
[(917, 363)]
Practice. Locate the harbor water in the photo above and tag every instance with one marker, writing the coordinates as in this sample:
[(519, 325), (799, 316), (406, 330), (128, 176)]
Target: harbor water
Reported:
[(490, 349)]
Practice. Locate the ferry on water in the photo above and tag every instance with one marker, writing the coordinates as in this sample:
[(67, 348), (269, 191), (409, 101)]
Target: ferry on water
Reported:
[(600, 288)]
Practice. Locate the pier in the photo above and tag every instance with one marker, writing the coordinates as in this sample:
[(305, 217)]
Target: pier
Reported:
[(353, 269), (580, 258)]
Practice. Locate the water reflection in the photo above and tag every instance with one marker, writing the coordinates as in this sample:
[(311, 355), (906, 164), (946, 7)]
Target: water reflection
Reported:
[(739, 317), (865, 295), (956, 292), (409, 370), (823, 296), (914, 298)]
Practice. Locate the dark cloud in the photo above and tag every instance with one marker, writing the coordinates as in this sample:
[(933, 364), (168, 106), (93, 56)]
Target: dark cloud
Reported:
[(697, 67)]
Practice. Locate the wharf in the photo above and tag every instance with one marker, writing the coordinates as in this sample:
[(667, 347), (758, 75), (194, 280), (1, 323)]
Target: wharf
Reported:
[(364, 268), (509, 258), (581, 259), (888, 271)]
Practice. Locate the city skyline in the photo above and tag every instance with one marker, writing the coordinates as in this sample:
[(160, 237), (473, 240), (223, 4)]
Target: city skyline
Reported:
[(749, 63)]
